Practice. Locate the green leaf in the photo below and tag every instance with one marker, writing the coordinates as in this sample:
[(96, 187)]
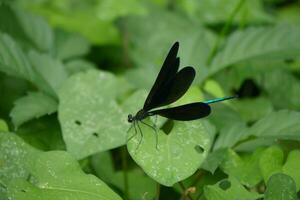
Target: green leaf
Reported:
[(228, 189), (280, 81), (149, 49), (31, 174), (214, 88), (37, 30), (291, 166), (266, 133), (112, 9), (81, 18), (214, 159), (220, 112), (281, 187), (78, 65), (58, 176), (282, 124), (43, 133), (11, 89), (193, 94), (103, 165), (218, 11), (70, 45), (245, 169), (52, 71), (32, 31), (3, 126), (252, 144), (34, 105), (139, 185), (258, 43), (7, 18), (90, 117), (15, 156), (290, 14), (253, 109), (230, 135), (13, 61), (271, 162), (178, 155)]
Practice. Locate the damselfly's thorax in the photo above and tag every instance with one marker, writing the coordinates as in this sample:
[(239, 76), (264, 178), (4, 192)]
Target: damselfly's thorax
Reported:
[(140, 115)]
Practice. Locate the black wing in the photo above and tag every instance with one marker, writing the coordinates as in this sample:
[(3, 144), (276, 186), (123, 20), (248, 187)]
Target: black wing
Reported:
[(186, 112), (167, 72), (174, 88)]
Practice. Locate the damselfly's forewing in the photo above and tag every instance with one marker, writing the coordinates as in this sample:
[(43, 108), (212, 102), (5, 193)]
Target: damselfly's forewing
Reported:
[(169, 85), (185, 112)]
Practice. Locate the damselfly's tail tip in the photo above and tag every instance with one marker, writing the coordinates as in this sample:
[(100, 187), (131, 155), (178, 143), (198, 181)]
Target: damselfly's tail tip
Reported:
[(220, 99)]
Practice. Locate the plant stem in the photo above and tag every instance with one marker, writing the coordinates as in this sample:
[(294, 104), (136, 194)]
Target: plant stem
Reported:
[(224, 31), (199, 175), (184, 194), (157, 191), (125, 174), (125, 45)]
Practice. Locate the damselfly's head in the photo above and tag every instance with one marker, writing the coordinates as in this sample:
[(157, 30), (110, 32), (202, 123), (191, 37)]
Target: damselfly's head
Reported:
[(130, 118)]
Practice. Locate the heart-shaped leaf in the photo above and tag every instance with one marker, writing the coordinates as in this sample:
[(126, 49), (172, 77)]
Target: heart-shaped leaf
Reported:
[(178, 154), (90, 117)]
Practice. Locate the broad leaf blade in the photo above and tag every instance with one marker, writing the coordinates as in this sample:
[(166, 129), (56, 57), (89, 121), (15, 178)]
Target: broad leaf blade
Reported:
[(37, 30), (245, 169), (281, 187), (70, 45), (291, 166), (31, 31), (149, 55), (90, 117), (287, 126), (15, 63), (59, 176), (279, 42), (12, 59), (31, 174), (15, 156), (34, 105), (52, 71), (179, 154), (271, 162), (228, 189)]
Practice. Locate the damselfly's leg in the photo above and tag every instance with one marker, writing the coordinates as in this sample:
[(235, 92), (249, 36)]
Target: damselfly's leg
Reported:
[(142, 136), (155, 122), (155, 130), (148, 125), (135, 132)]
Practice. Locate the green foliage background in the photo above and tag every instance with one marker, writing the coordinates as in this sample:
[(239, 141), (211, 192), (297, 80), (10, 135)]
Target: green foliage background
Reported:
[(71, 71)]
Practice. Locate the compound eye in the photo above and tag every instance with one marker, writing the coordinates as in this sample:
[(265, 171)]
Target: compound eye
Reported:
[(130, 119)]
